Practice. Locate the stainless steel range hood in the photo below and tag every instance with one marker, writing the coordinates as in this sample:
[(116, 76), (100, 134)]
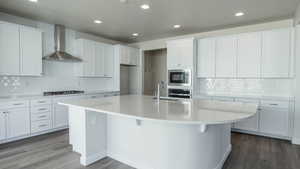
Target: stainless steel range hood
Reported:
[(60, 54)]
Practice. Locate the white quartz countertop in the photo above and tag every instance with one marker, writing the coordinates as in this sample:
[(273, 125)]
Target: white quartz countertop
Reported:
[(193, 111)]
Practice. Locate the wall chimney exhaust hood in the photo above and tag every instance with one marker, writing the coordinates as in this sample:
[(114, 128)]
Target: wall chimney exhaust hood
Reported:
[(60, 55)]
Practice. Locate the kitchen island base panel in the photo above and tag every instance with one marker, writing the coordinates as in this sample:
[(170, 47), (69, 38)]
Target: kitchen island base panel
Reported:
[(149, 144)]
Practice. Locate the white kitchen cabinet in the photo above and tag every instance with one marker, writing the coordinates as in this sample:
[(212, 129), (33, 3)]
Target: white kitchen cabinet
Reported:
[(250, 124), (9, 49), (180, 54), (128, 55), (274, 118), (249, 48), (17, 122), (2, 126), (108, 60), (88, 57), (60, 114), (276, 53), (206, 59), (30, 51), (226, 53), (99, 59)]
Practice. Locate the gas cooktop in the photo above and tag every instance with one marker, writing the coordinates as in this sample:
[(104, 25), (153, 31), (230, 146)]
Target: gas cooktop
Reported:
[(67, 92)]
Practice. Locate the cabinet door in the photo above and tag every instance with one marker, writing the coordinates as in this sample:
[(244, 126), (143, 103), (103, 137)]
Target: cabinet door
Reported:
[(180, 54), (206, 60), (274, 122), (9, 49), (99, 59), (250, 124), (2, 126), (249, 55), (124, 55), (88, 58), (31, 51), (133, 55), (226, 56), (18, 122), (61, 115), (276, 53), (108, 60)]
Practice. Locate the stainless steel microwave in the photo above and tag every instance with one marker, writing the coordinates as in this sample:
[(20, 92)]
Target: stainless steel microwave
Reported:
[(180, 77)]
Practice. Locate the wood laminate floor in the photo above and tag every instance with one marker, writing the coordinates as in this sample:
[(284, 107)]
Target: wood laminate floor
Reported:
[(52, 151)]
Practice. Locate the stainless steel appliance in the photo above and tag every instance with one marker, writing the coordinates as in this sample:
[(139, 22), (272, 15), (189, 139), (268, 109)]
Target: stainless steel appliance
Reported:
[(180, 93), (60, 53), (67, 92), (180, 77)]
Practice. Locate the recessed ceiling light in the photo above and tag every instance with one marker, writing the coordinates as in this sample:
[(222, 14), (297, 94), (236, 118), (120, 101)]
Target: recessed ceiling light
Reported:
[(33, 0), (135, 34), (97, 21), (239, 14), (177, 26), (145, 6)]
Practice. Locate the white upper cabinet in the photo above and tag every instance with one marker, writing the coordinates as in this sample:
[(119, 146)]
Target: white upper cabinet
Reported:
[(249, 50), (226, 53), (128, 55), (276, 53), (20, 50), (180, 54), (206, 60), (9, 49), (31, 51), (108, 60), (99, 59)]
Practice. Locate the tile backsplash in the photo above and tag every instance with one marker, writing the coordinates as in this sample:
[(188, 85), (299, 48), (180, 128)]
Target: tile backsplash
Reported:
[(260, 87)]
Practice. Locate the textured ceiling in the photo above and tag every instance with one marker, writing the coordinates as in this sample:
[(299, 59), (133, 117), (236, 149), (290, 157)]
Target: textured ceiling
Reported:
[(120, 20)]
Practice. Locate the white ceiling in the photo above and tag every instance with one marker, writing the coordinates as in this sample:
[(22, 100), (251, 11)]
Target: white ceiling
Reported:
[(120, 20)]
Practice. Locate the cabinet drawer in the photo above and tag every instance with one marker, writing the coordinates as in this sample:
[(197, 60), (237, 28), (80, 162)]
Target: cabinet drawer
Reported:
[(40, 116), (274, 104), (39, 102), (41, 109), (14, 104), (40, 126)]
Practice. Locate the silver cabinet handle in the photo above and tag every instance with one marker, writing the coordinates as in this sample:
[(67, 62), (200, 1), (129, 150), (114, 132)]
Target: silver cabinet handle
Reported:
[(274, 104), (41, 101), (42, 116), (44, 125), (17, 104), (41, 109)]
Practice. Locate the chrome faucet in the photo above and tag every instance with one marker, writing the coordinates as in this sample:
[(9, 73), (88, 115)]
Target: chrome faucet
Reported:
[(157, 92)]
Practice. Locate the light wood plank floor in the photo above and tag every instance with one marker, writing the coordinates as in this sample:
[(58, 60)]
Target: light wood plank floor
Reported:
[(52, 151)]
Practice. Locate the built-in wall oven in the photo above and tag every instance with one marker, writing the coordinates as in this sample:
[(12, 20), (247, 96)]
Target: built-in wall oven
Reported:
[(180, 77), (180, 93)]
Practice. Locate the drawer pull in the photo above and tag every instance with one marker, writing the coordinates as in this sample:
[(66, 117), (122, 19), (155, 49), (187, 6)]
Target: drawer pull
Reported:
[(42, 116), (17, 104), (41, 109), (274, 104), (41, 101), (43, 125)]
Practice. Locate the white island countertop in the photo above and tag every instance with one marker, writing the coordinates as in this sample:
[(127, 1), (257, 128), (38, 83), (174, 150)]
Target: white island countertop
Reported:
[(194, 111)]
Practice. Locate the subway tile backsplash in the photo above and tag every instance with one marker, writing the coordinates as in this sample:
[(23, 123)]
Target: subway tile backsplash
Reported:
[(259, 87)]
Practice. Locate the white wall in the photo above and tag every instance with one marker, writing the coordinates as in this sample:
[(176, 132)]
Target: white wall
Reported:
[(57, 76), (161, 43)]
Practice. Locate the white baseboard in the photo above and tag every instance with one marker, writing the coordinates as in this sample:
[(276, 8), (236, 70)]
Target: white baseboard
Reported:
[(296, 141), (220, 165), (91, 159)]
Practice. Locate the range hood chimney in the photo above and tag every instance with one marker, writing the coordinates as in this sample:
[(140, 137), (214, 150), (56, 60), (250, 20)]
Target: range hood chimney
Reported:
[(60, 54)]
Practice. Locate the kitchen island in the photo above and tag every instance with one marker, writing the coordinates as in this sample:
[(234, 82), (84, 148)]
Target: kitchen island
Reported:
[(150, 134)]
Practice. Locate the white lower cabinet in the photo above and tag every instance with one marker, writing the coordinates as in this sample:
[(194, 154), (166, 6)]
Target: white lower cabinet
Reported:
[(17, 122), (2, 126), (60, 115), (250, 124), (274, 122)]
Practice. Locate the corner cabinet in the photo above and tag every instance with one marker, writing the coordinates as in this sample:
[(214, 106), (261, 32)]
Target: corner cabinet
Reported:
[(180, 54), (98, 59), (20, 48)]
